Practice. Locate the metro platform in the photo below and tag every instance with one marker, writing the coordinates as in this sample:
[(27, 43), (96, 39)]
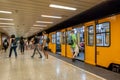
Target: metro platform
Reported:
[(55, 68)]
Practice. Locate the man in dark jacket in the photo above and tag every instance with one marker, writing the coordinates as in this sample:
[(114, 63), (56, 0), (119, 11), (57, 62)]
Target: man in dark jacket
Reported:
[(36, 44), (22, 45)]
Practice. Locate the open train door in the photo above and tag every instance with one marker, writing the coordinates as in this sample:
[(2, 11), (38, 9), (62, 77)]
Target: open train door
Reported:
[(90, 42), (58, 42)]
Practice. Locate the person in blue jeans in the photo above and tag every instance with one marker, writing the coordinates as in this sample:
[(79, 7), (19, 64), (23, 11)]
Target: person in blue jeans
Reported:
[(22, 45), (13, 45)]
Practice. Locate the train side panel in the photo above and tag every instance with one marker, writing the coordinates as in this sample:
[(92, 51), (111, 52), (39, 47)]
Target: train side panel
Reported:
[(110, 54)]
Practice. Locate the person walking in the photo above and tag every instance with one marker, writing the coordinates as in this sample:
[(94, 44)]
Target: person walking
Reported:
[(36, 44), (73, 44), (13, 45), (45, 44), (22, 45)]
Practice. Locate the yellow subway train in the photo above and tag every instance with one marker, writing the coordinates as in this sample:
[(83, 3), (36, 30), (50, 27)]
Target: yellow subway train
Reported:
[(98, 41)]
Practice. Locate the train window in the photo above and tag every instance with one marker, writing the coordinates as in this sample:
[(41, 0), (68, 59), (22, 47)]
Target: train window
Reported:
[(53, 38), (79, 32), (103, 34), (58, 37), (63, 37), (68, 36), (90, 41)]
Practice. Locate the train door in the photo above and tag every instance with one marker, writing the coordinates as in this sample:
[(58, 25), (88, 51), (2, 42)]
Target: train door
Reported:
[(63, 42), (103, 43), (90, 47), (58, 44), (53, 45), (80, 41), (68, 47)]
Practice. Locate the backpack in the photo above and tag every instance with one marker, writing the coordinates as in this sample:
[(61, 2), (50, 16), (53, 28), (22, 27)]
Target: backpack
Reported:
[(36, 40), (14, 42), (22, 42), (5, 44), (70, 41), (48, 40)]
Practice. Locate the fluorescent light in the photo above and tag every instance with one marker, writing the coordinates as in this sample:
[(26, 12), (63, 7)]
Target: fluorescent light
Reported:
[(34, 31), (6, 26), (62, 7), (36, 28), (7, 23), (6, 12), (6, 19), (41, 25), (51, 16), (44, 22)]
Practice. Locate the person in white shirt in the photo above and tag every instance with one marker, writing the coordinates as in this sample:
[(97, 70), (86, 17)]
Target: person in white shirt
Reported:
[(45, 45)]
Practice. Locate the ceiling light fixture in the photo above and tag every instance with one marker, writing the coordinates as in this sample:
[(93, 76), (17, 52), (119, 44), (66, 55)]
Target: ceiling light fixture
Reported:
[(36, 27), (6, 26), (51, 16), (62, 7), (7, 23), (41, 25), (44, 22), (6, 19), (6, 12)]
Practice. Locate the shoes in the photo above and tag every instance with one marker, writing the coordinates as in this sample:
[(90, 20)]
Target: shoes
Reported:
[(73, 59), (40, 57), (22, 53)]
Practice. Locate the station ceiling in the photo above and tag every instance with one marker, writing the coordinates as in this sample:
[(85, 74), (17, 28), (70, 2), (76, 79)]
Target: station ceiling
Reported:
[(104, 9), (27, 17)]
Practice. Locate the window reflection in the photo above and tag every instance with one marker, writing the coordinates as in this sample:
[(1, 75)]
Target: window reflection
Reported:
[(103, 34), (90, 35), (53, 38), (63, 38)]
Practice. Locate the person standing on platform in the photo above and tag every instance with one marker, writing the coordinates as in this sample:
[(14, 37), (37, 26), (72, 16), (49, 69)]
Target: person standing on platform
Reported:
[(22, 43), (45, 44), (41, 43), (13, 45), (36, 44), (5, 44)]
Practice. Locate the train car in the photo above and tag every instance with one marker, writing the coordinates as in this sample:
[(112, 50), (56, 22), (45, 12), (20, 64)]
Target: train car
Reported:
[(101, 42)]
